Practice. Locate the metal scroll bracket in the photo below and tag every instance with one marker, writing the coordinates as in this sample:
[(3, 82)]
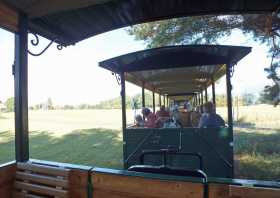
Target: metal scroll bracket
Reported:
[(35, 42)]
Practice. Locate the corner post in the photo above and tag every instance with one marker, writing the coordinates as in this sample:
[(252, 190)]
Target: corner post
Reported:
[(154, 105), (230, 118), (229, 96), (123, 116), (21, 90), (202, 102), (213, 93), (143, 95), (206, 94)]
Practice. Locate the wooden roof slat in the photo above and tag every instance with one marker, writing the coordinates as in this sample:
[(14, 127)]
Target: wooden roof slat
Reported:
[(8, 17), (98, 16)]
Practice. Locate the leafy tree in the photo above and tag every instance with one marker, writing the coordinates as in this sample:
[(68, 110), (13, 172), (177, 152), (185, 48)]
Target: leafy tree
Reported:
[(264, 28), (268, 95), (10, 104)]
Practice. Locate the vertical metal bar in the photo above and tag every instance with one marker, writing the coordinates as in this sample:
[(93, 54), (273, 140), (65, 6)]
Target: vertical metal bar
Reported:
[(159, 98), (202, 102), (123, 117), (164, 100), (213, 93), (229, 96), (143, 95), (206, 95), (199, 101), (230, 119), (154, 105), (21, 90)]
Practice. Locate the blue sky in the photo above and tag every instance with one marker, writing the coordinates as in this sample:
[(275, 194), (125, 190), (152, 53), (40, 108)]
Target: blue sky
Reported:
[(72, 76)]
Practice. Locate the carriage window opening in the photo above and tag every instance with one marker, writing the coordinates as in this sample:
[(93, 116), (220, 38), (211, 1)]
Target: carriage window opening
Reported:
[(7, 122)]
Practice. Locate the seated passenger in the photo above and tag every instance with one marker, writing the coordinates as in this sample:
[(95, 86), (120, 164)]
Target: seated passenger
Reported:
[(162, 112), (139, 121), (195, 118), (162, 116), (210, 118), (150, 121), (184, 118)]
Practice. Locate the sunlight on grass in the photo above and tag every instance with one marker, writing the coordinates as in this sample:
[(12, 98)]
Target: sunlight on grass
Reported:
[(93, 137)]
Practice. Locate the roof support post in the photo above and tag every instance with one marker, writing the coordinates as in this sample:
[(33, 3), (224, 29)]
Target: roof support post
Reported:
[(206, 95), (229, 96), (229, 105), (154, 105), (168, 101), (21, 90), (213, 93), (143, 95), (202, 102), (123, 114)]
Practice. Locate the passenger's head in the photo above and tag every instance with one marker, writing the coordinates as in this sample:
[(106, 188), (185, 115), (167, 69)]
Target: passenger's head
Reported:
[(162, 108), (208, 107), (138, 119), (146, 111)]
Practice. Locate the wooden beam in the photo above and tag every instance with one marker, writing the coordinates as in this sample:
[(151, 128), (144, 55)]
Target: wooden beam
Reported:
[(253, 192), (40, 189), (8, 18), (116, 186), (48, 170), (42, 8)]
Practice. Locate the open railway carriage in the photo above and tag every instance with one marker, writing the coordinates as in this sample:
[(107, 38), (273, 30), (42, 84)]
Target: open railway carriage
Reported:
[(65, 23), (175, 72)]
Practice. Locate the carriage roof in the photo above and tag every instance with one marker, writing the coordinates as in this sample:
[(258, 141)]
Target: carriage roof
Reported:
[(176, 70), (70, 21)]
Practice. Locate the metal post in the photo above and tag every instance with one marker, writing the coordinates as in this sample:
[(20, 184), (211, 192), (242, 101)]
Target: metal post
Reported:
[(21, 90), (229, 96), (159, 98), (202, 102), (123, 116), (230, 119), (143, 95), (213, 93), (164, 100), (206, 95), (199, 100), (154, 105)]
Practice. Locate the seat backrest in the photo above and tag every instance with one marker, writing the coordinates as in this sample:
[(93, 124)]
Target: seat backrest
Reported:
[(38, 181)]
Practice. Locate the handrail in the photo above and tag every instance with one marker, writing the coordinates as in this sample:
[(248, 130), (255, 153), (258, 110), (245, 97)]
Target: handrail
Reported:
[(166, 152)]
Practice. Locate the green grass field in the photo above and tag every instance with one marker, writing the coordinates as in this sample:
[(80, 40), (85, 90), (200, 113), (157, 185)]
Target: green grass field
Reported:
[(93, 137)]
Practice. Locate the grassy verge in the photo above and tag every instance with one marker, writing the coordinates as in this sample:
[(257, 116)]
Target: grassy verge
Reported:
[(77, 137)]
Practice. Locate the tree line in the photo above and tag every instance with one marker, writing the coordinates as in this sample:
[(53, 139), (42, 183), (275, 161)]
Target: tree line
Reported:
[(136, 102)]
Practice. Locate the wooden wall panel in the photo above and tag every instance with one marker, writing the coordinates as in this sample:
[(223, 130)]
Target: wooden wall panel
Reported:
[(7, 176), (78, 183), (117, 186), (253, 192)]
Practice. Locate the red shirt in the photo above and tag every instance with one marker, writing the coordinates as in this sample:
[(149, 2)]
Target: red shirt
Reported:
[(151, 121), (162, 114)]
